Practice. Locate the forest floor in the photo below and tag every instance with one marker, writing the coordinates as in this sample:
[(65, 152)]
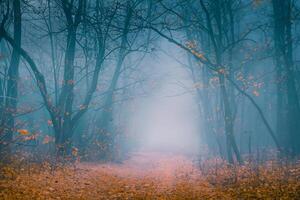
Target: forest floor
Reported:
[(153, 176)]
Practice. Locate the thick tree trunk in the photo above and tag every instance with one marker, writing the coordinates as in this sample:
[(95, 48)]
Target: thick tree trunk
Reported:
[(63, 137), (64, 130), (290, 122), (10, 109)]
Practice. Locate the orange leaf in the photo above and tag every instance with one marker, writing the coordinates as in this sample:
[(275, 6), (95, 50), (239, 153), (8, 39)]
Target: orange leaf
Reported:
[(47, 139), (49, 122), (74, 151), (255, 93), (23, 132)]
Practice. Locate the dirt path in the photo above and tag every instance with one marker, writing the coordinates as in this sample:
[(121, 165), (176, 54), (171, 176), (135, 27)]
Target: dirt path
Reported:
[(153, 176), (163, 167), (146, 175)]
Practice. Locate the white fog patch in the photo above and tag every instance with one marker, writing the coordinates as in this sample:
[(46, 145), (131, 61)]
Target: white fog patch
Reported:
[(167, 119)]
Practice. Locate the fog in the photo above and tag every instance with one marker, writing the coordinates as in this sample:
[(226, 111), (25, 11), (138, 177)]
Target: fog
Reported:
[(149, 99), (167, 119)]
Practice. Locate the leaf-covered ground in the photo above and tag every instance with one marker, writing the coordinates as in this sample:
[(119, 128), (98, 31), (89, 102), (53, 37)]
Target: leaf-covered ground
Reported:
[(152, 176)]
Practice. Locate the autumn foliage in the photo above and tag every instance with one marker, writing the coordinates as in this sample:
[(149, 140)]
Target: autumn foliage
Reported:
[(153, 176)]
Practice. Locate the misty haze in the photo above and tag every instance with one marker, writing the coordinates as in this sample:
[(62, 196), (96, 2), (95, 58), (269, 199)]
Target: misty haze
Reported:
[(149, 99)]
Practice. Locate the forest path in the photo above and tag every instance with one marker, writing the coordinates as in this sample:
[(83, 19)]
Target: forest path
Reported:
[(164, 168), (149, 175), (145, 175)]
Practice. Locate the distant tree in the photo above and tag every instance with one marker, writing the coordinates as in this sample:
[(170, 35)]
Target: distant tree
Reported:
[(217, 22), (288, 107)]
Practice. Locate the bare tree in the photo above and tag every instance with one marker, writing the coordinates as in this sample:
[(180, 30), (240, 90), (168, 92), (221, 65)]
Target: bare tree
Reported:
[(11, 94)]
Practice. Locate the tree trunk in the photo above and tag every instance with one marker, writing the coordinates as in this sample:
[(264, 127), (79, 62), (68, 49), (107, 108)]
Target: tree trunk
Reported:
[(229, 129), (8, 123), (286, 78), (65, 127), (106, 118)]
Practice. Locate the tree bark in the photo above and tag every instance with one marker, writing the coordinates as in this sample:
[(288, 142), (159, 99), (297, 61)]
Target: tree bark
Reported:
[(289, 123), (11, 100)]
